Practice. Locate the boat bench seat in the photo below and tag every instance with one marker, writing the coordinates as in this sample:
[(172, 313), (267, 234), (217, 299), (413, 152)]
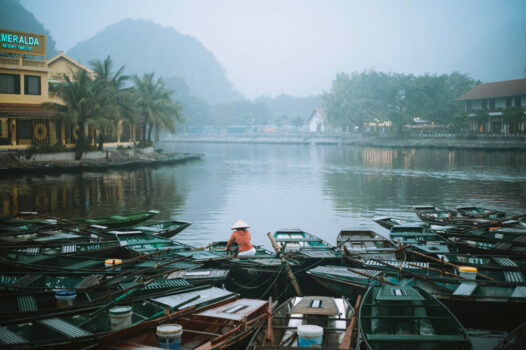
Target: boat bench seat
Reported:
[(27, 303), (8, 337), (465, 289), (65, 328), (415, 338)]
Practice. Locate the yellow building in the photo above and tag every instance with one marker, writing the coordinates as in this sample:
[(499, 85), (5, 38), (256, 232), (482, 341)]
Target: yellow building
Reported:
[(24, 87)]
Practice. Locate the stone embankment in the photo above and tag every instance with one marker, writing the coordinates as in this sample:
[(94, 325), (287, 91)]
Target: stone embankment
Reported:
[(446, 142), (24, 163)]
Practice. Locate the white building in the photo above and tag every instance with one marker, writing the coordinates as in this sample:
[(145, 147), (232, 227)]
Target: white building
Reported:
[(318, 120)]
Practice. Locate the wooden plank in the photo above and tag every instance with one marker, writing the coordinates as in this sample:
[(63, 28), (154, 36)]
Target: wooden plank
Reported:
[(465, 289)]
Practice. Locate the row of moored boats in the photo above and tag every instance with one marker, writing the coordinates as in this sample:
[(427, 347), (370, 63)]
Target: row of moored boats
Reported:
[(125, 282)]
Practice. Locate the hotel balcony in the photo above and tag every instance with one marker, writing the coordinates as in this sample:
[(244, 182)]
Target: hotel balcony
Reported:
[(20, 63)]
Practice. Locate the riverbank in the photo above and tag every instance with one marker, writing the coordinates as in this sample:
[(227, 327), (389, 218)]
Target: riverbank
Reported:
[(440, 142), (23, 163)]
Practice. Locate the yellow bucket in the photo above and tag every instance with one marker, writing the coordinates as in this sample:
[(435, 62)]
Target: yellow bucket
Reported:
[(113, 263), (468, 272)]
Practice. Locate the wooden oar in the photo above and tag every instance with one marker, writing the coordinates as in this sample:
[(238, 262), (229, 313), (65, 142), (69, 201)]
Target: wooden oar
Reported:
[(200, 248), (381, 280), (347, 337), (286, 264)]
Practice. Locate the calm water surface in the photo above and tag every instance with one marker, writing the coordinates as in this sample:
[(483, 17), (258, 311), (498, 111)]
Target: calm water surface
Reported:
[(320, 189)]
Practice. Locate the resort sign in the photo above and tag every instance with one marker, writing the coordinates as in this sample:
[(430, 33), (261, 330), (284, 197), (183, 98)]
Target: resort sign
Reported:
[(22, 43)]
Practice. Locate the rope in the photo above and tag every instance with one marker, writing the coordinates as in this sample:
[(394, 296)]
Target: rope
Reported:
[(273, 282), (242, 286)]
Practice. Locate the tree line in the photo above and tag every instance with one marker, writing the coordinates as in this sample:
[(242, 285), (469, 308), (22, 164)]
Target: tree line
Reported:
[(374, 97), (109, 96)]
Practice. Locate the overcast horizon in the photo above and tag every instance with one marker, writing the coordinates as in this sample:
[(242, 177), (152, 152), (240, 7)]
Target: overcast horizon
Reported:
[(297, 47)]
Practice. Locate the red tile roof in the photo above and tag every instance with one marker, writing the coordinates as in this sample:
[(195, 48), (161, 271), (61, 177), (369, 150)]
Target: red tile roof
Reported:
[(322, 112), (506, 88)]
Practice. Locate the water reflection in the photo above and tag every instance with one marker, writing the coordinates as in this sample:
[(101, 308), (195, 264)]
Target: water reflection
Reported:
[(88, 193), (321, 189)]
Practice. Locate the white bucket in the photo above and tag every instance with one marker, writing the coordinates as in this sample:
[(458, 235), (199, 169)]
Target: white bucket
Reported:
[(468, 272), (120, 317), (310, 336), (169, 336), (65, 298)]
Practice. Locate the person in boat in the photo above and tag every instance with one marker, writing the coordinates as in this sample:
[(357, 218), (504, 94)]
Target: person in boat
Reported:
[(242, 237)]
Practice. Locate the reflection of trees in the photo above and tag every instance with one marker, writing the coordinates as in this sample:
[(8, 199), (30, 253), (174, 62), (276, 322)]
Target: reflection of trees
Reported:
[(93, 194), (381, 180)]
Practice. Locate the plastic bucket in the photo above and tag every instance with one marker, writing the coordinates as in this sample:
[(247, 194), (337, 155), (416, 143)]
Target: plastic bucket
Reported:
[(120, 317), (115, 263), (65, 298), (310, 336), (468, 272), (169, 336)]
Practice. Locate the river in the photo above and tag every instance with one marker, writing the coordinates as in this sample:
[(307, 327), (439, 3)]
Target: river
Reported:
[(318, 188)]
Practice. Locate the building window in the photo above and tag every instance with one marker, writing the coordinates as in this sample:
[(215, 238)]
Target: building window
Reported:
[(492, 104), (508, 102), (32, 85), (9, 84), (484, 104), (517, 101), (468, 106), (24, 129)]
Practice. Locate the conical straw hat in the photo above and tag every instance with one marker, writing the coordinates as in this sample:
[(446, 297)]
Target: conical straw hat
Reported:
[(239, 224)]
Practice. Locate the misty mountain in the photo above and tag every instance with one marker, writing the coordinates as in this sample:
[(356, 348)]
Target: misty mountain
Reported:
[(14, 16), (500, 55), (143, 46)]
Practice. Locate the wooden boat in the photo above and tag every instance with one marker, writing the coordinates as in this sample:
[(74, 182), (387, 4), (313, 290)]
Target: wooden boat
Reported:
[(355, 241), (478, 212), (16, 261), (37, 303), (398, 317), (334, 315), (434, 215), (84, 327), (476, 303), (419, 237), (516, 339), (306, 247), (263, 261), (504, 241), (164, 229), (114, 221), (219, 326), (388, 222), (93, 249), (140, 242)]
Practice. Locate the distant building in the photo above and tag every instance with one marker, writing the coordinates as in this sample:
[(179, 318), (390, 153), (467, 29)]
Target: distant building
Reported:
[(494, 98), (318, 121)]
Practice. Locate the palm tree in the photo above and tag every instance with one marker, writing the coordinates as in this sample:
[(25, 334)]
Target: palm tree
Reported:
[(154, 106), (108, 88), (79, 104)]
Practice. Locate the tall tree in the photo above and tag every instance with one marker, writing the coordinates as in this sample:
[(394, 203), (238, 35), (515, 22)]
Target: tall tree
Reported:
[(154, 106), (79, 105), (110, 92)]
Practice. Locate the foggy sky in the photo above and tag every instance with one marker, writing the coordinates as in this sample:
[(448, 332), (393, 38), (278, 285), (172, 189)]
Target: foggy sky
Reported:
[(296, 47)]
